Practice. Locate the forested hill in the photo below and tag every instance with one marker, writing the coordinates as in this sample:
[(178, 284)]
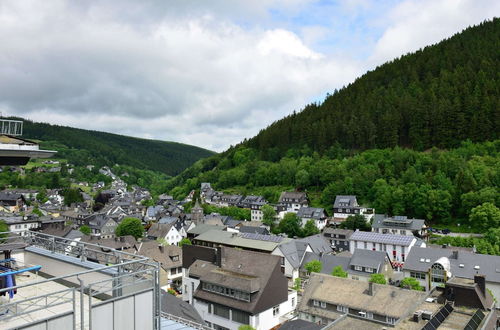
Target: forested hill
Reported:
[(438, 96), (84, 147), (417, 115)]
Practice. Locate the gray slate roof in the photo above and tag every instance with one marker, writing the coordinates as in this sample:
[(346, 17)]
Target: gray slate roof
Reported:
[(294, 252), (488, 265), (341, 200), (175, 306), (318, 243), (315, 213), (366, 236)]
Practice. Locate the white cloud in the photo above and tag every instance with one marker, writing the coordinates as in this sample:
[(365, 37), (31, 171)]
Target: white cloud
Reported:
[(417, 23)]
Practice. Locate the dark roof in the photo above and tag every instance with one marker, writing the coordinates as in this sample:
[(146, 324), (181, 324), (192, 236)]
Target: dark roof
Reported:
[(318, 243), (366, 236), (175, 306), (311, 213), (300, 325), (117, 243), (230, 222), (168, 220), (10, 196), (294, 252), (421, 259), (300, 196), (255, 230), (248, 271), (57, 230), (368, 258), (97, 221), (328, 262), (342, 200), (397, 222)]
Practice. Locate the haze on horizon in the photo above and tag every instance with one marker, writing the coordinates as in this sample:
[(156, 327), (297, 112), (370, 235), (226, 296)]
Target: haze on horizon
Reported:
[(203, 73)]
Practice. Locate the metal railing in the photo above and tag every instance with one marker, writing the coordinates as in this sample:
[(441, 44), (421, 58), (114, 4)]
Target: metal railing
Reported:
[(122, 274), (11, 127)]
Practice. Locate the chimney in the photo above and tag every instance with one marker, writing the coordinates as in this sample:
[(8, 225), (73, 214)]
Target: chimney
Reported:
[(162, 248), (481, 283), (454, 254), (370, 288)]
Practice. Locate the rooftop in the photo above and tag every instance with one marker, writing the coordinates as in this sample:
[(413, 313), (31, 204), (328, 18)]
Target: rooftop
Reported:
[(366, 236)]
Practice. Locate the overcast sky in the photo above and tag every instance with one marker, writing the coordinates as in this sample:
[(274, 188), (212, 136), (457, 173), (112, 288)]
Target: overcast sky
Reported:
[(207, 73)]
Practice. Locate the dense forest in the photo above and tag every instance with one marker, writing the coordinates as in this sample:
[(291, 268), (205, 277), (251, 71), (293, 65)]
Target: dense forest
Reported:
[(83, 147), (438, 96), (417, 136)]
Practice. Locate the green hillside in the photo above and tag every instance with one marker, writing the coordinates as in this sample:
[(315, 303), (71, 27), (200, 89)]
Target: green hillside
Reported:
[(410, 137), (438, 96), (82, 147)]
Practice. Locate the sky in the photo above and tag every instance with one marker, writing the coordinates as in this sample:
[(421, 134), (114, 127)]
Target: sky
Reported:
[(206, 73)]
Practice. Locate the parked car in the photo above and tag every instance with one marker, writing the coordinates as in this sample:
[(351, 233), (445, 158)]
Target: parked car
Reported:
[(446, 231)]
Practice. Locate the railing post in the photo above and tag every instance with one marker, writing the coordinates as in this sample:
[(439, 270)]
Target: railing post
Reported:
[(82, 306)]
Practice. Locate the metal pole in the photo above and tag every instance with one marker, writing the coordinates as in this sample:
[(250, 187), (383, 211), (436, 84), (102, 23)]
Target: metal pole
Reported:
[(74, 309), (82, 307)]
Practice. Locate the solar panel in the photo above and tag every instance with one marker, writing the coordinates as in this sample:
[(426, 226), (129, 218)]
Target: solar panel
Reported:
[(382, 238), (260, 237)]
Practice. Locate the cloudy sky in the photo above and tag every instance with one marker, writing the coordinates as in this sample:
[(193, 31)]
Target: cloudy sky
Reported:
[(208, 73)]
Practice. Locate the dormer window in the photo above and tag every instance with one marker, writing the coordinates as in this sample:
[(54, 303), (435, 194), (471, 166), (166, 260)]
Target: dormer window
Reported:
[(175, 258)]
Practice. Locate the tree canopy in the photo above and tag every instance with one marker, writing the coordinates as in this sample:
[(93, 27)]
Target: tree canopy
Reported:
[(313, 266), (130, 226), (338, 271)]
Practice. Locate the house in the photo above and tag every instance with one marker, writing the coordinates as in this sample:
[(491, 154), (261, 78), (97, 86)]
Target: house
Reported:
[(316, 214), (396, 246), (13, 202), (347, 205), (293, 201), (28, 194), (101, 225), (292, 254), (164, 198), (398, 224), (237, 287), (338, 238), (154, 213), (328, 298), (230, 200), (170, 259), (256, 213), (250, 199), (318, 243), (435, 266), (20, 225), (166, 232), (360, 266)]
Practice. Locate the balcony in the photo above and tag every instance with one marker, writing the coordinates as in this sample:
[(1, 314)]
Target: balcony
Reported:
[(57, 286)]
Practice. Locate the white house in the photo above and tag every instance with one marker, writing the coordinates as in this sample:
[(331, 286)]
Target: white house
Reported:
[(168, 232), (347, 205), (397, 246)]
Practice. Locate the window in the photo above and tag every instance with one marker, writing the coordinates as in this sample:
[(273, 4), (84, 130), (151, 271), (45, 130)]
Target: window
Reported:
[(438, 273), (173, 271), (358, 268), (354, 277), (418, 275), (293, 302), (343, 309), (369, 270), (240, 317), (402, 232), (221, 311), (390, 320), (366, 245), (323, 304), (315, 303), (276, 310)]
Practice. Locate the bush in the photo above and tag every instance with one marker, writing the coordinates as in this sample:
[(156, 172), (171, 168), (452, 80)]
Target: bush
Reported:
[(338, 271), (378, 278), (411, 283), (314, 266)]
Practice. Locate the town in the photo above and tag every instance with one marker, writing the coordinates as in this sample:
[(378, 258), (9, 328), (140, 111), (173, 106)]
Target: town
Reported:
[(219, 272)]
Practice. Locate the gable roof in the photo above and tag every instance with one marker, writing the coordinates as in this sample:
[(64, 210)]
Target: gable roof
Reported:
[(161, 254), (158, 230), (253, 272), (242, 240), (421, 259), (255, 230), (294, 195), (318, 243), (342, 200), (172, 305), (294, 252), (202, 228), (311, 213), (367, 236)]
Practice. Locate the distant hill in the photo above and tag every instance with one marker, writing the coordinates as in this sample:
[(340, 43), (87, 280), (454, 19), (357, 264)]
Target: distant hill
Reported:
[(83, 147)]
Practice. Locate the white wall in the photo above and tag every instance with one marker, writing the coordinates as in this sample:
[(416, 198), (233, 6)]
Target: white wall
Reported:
[(189, 285), (353, 245)]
